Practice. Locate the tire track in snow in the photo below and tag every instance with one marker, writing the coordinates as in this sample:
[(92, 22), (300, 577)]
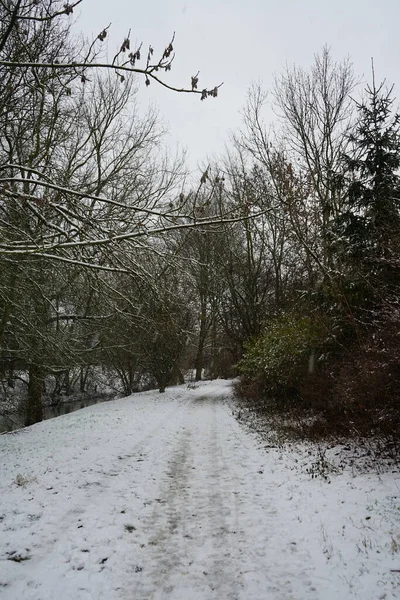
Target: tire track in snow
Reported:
[(188, 528)]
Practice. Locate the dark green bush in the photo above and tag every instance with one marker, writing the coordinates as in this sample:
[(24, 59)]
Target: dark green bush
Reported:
[(280, 357)]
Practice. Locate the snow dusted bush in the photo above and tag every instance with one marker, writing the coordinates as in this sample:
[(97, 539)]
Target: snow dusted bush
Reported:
[(282, 356)]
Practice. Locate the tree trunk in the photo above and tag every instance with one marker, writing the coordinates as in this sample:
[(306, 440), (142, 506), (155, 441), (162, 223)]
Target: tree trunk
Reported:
[(83, 377), (34, 412), (67, 383), (199, 358), (214, 354), (202, 339), (133, 383), (162, 381)]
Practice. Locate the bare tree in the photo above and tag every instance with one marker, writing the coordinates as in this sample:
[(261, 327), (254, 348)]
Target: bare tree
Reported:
[(317, 110), (39, 60)]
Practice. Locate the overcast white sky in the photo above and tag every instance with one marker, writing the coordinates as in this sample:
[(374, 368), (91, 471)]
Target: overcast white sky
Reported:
[(242, 41)]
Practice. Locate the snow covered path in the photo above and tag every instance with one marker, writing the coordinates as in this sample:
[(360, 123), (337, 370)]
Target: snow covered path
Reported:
[(168, 497)]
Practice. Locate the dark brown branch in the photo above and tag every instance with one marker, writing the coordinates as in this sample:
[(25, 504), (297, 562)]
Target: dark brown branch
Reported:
[(85, 65), (11, 25)]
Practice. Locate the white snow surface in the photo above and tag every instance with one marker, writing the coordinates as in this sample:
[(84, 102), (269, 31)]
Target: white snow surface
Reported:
[(168, 496)]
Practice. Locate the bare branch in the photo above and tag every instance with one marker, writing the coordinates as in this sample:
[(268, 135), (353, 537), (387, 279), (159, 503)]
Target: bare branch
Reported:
[(123, 67)]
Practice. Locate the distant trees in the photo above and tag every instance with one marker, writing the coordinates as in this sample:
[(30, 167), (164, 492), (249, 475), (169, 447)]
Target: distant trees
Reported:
[(147, 328), (332, 176), (281, 263), (316, 107), (85, 195), (201, 248)]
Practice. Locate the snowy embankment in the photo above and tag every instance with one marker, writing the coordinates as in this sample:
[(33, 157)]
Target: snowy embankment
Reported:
[(167, 496)]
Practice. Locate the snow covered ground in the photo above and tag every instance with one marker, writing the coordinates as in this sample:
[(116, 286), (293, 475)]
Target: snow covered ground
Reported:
[(169, 497)]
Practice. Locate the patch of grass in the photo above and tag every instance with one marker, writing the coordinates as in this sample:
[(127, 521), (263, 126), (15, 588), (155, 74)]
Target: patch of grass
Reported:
[(322, 467)]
